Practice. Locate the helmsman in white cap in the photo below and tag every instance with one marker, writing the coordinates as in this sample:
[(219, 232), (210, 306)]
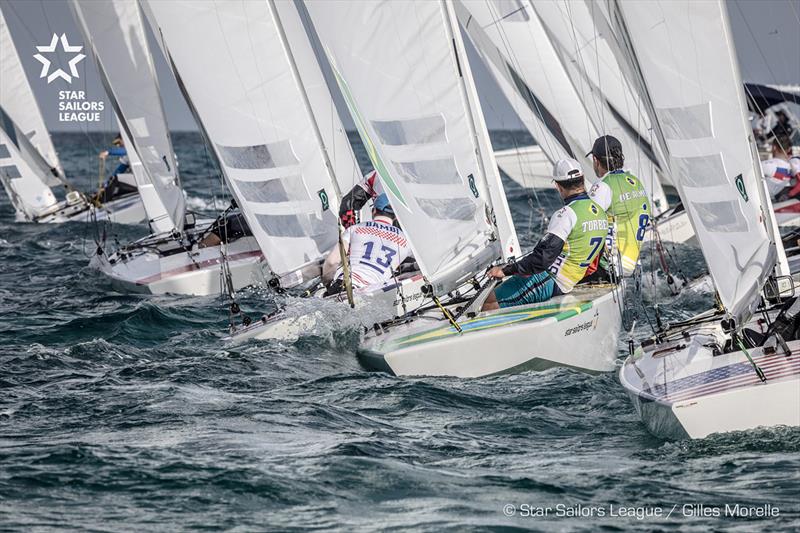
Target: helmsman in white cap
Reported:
[(575, 237)]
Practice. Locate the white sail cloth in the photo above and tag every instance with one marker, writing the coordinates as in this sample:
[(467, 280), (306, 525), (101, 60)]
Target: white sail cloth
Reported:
[(400, 66), (28, 193), (115, 32), (235, 62), (515, 48), (685, 54), (17, 99), (612, 106)]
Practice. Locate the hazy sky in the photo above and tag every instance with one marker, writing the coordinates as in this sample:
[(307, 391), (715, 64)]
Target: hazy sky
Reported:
[(767, 35)]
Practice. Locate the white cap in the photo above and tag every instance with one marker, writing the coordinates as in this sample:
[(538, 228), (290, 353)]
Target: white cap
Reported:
[(567, 169)]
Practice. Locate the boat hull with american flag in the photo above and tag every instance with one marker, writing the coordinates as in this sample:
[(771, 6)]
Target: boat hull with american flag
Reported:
[(685, 387)]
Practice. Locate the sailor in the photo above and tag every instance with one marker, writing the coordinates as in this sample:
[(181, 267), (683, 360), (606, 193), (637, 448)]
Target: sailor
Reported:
[(375, 249), (227, 229), (574, 237), (782, 170), (624, 198), (369, 188), (112, 187)]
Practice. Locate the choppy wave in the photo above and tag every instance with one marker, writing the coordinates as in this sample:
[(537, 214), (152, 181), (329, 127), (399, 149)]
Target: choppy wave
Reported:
[(124, 412)]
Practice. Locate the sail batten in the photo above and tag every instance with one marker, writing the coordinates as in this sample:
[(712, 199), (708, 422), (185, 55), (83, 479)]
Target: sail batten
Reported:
[(258, 112), (399, 66), (682, 57)]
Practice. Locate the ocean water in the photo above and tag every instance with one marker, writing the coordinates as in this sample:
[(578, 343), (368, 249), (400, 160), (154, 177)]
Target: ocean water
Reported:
[(125, 412)]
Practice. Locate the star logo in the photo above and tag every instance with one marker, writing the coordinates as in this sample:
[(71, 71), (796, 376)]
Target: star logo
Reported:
[(58, 73)]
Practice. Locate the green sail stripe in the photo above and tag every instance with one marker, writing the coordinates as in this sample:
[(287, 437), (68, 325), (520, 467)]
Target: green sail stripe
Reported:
[(377, 162)]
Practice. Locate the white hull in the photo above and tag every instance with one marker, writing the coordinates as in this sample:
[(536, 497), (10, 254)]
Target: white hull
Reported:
[(681, 389), (675, 227), (579, 330), (528, 166), (126, 210), (195, 273)]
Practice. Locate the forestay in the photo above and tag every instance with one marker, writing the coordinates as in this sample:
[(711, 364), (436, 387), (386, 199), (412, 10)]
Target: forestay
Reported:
[(400, 66), (17, 99), (684, 54), (235, 63), (115, 31), (587, 56), (514, 47)]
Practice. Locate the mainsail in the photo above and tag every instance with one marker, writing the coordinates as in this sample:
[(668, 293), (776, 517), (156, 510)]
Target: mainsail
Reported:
[(613, 107), (515, 48), (18, 101), (401, 68), (116, 34), (682, 52), (25, 187), (253, 81)]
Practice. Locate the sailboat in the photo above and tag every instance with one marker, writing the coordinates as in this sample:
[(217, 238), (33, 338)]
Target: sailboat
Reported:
[(264, 108), (171, 259), (29, 164), (724, 370), (565, 92), (402, 69)]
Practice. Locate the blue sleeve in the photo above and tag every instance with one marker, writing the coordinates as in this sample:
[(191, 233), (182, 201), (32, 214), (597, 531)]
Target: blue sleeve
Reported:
[(117, 150)]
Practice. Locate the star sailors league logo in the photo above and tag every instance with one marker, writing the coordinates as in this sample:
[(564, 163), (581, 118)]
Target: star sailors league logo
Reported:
[(58, 73)]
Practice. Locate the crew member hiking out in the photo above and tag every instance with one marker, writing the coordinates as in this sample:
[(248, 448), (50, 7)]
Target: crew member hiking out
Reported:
[(112, 187), (375, 249), (369, 188), (624, 198), (574, 237)]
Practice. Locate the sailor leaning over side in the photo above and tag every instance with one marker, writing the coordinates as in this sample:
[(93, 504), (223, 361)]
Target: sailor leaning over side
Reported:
[(369, 187), (574, 237), (375, 249), (624, 198), (112, 187)]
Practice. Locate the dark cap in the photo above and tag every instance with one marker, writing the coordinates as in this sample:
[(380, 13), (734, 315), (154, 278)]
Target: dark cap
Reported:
[(604, 146)]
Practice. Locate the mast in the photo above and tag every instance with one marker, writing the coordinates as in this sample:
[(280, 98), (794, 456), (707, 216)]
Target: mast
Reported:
[(770, 222), (348, 283), (505, 226)]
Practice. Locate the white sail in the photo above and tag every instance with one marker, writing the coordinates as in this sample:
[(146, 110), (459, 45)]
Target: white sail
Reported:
[(613, 107), (116, 35), (399, 65), (28, 193), (273, 127), (18, 101), (514, 47), (683, 53), (16, 97)]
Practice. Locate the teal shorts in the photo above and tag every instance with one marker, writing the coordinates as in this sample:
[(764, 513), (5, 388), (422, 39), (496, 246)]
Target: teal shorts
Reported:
[(520, 290)]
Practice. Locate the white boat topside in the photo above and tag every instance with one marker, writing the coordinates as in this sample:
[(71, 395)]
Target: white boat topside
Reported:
[(578, 330), (686, 387)]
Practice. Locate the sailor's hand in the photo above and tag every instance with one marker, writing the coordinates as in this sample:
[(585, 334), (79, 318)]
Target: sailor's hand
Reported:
[(496, 273), (348, 218), (103, 154)]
